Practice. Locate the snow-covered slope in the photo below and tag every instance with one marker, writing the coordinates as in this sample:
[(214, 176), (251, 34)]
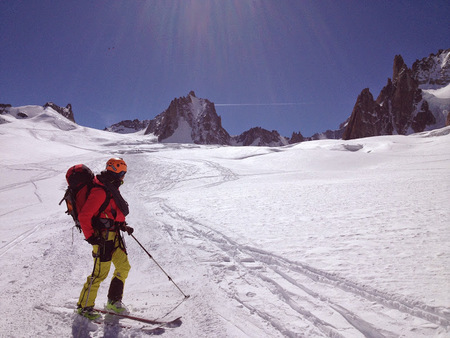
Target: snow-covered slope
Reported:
[(324, 238), (438, 101), (441, 93)]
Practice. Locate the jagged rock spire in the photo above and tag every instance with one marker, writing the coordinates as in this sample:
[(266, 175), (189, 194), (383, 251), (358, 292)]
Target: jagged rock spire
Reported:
[(66, 112), (189, 120), (398, 109)]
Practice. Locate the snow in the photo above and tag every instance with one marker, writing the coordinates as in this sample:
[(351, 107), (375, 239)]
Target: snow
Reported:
[(197, 106), (183, 134), (441, 93), (323, 238), (439, 103)]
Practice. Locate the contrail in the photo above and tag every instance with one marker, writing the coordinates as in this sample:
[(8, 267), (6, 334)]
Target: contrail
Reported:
[(261, 104)]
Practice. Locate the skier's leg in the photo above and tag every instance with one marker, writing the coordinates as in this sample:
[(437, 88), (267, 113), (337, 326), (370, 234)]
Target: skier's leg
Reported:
[(90, 288), (122, 267)]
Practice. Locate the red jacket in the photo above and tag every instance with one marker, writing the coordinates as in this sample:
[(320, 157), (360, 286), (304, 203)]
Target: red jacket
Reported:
[(91, 207)]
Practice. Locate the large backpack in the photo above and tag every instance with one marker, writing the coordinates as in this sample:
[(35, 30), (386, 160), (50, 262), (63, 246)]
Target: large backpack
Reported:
[(80, 180)]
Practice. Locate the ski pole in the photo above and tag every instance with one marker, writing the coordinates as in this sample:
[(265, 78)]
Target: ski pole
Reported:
[(92, 277), (159, 266)]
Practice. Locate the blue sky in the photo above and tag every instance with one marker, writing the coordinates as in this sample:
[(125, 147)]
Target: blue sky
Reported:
[(279, 64)]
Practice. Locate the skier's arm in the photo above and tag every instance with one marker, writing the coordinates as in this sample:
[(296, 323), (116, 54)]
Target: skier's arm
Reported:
[(90, 209)]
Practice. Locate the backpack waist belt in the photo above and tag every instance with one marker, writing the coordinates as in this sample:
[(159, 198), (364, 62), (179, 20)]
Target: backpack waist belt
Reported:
[(103, 223), (107, 224)]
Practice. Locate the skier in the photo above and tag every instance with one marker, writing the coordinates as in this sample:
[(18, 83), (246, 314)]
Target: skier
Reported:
[(102, 231)]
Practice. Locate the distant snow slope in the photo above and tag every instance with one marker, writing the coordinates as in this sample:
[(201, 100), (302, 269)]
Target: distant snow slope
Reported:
[(324, 238), (441, 93), (439, 101)]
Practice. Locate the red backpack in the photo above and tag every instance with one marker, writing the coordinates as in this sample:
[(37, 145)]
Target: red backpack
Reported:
[(80, 180)]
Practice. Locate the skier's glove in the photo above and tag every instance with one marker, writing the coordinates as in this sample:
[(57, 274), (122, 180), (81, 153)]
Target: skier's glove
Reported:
[(128, 229), (96, 240), (124, 227)]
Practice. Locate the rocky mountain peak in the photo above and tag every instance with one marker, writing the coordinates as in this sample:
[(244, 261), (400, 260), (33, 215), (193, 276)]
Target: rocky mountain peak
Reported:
[(433, 71), (128, 126), (189, 120), (192, 119), (400, 108), (296, 138), (399, 67), (259, 137), (66, 112), (364, 117)]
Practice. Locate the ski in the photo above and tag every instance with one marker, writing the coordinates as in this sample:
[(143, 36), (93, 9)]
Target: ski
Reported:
[(169, 323), (114, 326), (82, 325)]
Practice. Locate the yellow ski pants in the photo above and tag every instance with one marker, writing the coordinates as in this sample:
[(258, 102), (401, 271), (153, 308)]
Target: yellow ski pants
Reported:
[(113, 251)]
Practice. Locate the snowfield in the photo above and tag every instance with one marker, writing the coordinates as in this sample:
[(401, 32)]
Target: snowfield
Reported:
[(327, 238)]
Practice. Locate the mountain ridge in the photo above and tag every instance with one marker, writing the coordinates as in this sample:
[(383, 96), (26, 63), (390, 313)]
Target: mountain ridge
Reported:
[(403, 106), (415, 99), (409, 92)]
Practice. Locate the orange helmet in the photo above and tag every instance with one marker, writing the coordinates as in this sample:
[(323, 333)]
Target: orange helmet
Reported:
[(117, 166)]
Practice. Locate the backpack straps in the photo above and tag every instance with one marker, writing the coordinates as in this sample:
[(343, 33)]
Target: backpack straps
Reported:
[(96, 223), (105, 203)]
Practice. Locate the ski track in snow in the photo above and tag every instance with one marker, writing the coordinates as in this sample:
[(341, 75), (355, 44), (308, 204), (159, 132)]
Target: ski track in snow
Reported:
[(296, 284), (239, 286)]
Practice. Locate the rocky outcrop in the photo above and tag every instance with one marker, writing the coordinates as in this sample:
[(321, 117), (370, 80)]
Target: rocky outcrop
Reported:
[(189, 120), (128, 126), (66, 112), (434, 70), (296, 138), (399, 108), (423, 118), (259, 137), (364, 118), (4, 107), (194, 120), (398, 100)]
